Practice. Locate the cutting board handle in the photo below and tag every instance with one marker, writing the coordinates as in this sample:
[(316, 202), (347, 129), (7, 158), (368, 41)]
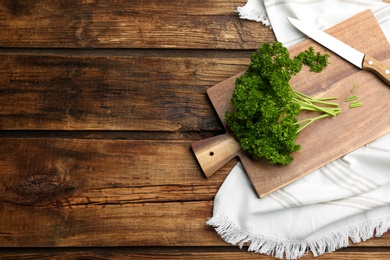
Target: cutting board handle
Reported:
[(215, 152)]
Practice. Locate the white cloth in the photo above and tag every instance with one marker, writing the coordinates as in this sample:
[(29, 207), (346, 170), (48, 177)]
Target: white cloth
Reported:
[(346, 199)]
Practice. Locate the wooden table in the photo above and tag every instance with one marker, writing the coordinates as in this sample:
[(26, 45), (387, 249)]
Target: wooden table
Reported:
[(100, 101)]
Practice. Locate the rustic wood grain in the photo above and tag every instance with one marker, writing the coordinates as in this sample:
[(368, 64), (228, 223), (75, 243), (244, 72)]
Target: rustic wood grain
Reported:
[(99, 102), (55, 92), (144, 224), (77, 172), (211, 24), (103, 193), (178, 253), (63, 192)]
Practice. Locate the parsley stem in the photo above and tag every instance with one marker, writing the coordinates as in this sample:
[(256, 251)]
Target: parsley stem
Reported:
[(348, 99), (315, 100), (326, 98), (355, 104), (307, 105), (309, 121)]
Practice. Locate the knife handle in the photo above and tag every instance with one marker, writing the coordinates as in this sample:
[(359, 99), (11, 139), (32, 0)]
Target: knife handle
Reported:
[(379, 68), (215, 152)]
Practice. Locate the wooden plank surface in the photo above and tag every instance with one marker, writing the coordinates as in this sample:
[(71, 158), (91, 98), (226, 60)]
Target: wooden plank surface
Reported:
[(139, 171), (179, 253), (155, 91), (127, 24), (67, 192), (99, 103)]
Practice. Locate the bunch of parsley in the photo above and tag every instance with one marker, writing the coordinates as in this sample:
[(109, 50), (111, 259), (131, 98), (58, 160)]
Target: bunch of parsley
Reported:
[(264, 119)]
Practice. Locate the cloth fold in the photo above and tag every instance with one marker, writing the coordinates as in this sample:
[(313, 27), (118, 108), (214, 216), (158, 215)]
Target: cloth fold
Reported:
[(348, 199)]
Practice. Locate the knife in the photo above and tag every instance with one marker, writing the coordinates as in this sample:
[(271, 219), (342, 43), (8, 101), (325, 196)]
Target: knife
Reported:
[(345, 51)]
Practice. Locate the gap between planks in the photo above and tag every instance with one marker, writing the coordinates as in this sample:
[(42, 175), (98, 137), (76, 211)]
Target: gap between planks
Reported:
[(110, 135)]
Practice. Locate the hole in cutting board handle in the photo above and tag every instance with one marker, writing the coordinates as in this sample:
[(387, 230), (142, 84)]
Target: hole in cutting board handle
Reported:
[(213, 153)]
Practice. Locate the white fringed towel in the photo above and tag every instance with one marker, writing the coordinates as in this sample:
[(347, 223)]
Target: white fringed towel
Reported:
[(346, 199)]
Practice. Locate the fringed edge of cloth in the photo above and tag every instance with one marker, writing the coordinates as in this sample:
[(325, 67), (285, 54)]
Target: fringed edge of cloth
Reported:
[(329, 242)]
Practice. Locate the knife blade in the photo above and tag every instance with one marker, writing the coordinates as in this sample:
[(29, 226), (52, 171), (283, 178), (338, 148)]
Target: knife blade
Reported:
[(357, 58)]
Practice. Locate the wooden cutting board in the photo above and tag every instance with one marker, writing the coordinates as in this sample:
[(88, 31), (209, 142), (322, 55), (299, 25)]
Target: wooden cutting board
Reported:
[(325, 140)]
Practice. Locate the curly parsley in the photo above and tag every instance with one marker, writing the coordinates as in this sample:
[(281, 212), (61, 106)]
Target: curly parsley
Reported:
[(265, 105)]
